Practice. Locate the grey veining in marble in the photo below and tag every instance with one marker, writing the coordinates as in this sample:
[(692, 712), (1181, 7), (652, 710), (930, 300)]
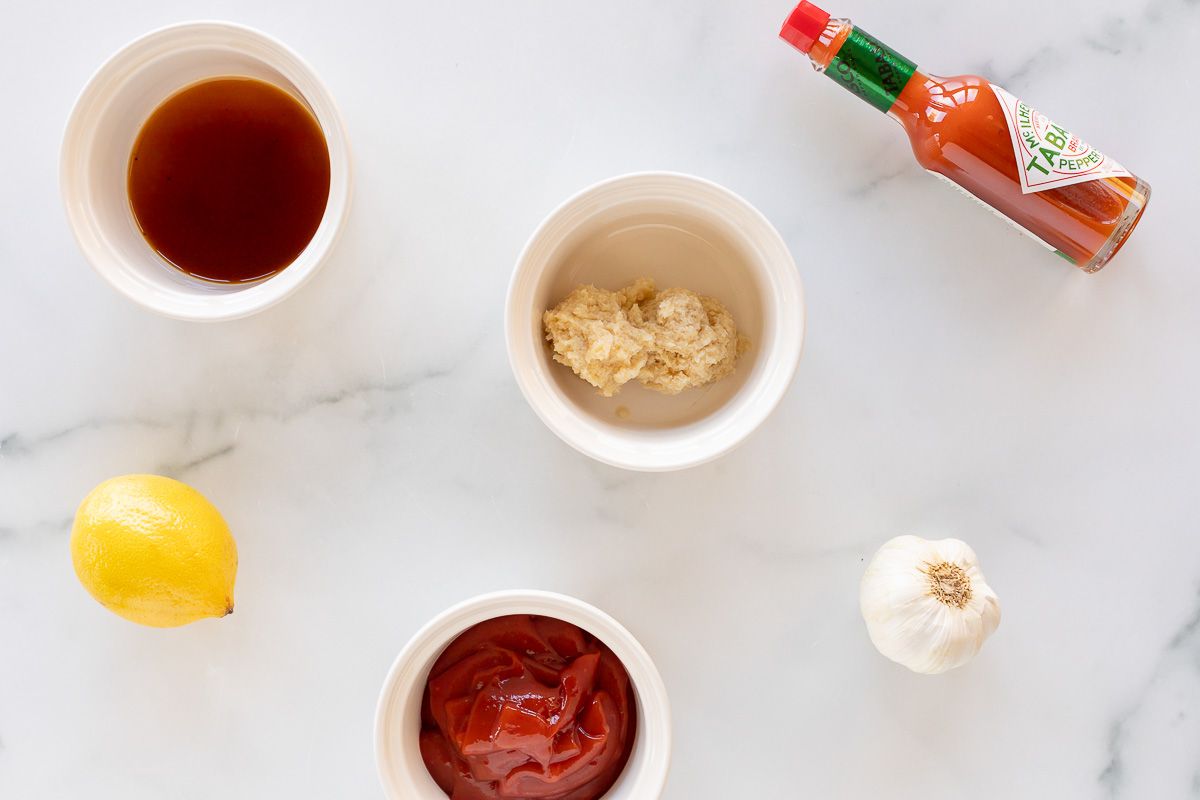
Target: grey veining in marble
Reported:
[(377, 464)]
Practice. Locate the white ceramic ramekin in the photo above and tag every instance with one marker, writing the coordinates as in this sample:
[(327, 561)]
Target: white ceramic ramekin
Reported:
[(398, 716), (100, 135), (681, 231)]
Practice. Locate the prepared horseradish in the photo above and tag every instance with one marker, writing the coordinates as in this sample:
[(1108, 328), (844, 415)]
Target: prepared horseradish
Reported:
[(669, 341), (527, 708)]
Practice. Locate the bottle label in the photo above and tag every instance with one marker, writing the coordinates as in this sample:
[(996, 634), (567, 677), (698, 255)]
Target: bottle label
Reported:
[(871, 69), (1049, 156)]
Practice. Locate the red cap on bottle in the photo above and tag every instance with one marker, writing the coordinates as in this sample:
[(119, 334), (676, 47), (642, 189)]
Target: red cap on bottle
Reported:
[(804, 26)]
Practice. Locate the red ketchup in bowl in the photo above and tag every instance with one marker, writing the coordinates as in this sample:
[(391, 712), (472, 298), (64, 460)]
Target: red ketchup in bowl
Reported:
[(527, 708)]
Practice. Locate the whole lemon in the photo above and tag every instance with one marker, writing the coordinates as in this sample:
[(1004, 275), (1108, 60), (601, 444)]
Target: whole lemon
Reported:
[(155, 551)]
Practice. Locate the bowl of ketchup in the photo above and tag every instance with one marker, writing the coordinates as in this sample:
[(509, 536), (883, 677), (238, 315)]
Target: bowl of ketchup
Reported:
[(523, 695)]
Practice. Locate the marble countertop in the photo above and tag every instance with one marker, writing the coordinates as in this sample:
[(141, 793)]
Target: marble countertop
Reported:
[(377, 463)]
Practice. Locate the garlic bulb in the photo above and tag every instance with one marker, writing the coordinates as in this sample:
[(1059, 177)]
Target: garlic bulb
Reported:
[(926, 603)]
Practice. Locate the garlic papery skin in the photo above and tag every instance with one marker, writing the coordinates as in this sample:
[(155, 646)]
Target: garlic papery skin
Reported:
[(926, 603)]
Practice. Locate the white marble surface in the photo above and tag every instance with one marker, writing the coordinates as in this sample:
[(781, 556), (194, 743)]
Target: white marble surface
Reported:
[(377, 467)]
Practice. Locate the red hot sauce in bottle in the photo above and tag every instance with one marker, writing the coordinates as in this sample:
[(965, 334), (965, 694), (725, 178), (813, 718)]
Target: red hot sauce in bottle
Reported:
[(1047, 182), (527, 708)]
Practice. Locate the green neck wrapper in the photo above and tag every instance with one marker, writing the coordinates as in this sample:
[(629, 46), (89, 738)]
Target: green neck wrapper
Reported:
[(871, 69)]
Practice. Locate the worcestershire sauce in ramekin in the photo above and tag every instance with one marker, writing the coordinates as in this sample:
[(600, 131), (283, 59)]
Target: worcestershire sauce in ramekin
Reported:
[(229, 178)]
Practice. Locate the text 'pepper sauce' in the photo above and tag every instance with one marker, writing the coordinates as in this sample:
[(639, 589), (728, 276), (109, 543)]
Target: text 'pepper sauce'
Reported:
[(1047, 182), (527, 708)]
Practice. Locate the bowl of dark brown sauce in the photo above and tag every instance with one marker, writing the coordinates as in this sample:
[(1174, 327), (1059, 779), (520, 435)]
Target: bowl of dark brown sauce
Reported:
[(205, 171)]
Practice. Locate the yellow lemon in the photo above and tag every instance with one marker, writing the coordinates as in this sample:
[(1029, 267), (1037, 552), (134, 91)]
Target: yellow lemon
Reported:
[(155, 551)]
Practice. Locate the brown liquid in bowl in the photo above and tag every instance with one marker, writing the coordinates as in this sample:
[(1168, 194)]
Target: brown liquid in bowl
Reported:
[(229, 179)]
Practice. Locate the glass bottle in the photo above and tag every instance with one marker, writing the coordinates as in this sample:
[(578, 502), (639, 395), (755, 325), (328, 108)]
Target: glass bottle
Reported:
[(1050, 184)]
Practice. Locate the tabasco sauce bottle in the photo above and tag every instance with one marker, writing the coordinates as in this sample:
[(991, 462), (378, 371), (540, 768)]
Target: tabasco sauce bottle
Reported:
[(1070, 197)]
